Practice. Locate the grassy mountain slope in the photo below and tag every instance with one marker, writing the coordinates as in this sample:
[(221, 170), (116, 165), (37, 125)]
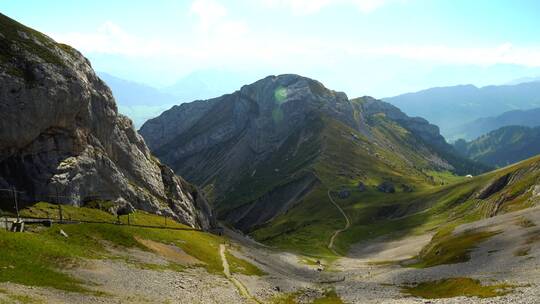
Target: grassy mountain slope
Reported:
[(37, 257), (503, 146), (431, 208)]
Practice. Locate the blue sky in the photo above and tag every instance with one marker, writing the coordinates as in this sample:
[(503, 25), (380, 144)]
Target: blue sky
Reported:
[(362, 47)]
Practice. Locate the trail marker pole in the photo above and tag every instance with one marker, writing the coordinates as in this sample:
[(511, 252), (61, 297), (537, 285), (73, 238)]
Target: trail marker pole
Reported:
[(16, 203)]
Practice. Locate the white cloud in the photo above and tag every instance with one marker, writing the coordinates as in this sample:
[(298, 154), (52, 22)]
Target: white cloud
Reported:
[(209, 12), (500, 54), (109, 38), (231, 42), (305, 7)]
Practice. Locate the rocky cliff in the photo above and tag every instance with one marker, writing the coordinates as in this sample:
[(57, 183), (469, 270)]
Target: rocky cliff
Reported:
[(258, 152), (61, 133)]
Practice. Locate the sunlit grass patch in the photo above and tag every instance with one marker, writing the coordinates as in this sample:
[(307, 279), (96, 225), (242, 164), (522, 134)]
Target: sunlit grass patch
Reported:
[(288, 298), (33, 259), (447, 248), (456, 287), (238, 265), (330, 297)]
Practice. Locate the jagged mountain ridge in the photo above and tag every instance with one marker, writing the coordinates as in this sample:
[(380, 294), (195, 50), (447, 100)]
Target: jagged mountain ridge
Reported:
[(260, 150), (60, 132)]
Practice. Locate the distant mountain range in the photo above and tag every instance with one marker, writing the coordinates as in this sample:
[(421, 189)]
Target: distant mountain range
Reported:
[(481, 126), (524, 80), (141, 102), (503, 146), (138, 101), (452, 107)]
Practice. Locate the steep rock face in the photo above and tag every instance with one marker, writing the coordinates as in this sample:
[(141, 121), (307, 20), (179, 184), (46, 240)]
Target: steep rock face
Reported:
[(440, 153), (252, 123), (60, 132), (419, 126), (260, 151)]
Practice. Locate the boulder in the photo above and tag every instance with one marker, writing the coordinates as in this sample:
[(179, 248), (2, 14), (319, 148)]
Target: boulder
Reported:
[(344, 193), (386, 187), (407, 188), (361, 187)]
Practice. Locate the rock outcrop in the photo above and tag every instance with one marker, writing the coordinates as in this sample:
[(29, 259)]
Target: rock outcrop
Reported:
[(386, 187), (60, 132)]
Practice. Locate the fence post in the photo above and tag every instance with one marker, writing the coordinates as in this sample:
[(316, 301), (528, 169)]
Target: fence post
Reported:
[(5, 220), (16, 203)]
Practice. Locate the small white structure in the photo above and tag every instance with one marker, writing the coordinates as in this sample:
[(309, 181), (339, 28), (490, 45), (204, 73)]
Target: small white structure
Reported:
[(468, 176)]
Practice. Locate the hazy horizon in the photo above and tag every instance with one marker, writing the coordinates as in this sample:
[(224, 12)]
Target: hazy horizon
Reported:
[(379, 48)]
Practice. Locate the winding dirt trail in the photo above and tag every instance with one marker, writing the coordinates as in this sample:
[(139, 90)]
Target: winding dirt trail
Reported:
[(337, 232), (226, 270)]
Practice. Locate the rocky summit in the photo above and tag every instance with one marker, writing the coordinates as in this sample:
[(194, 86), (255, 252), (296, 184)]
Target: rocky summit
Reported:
[(63, 140)]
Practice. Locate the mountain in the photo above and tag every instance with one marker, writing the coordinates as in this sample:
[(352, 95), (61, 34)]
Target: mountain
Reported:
[(481, 126), (138, 101), (451, 107), (285, 140), (524, 80), (503, 146), (61, 135)]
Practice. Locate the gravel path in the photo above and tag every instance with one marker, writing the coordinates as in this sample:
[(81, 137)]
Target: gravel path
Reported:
[(337, 232), (241, 288)]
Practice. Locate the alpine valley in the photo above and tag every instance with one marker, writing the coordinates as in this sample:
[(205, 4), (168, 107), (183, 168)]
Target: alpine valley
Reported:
[(284, 191)]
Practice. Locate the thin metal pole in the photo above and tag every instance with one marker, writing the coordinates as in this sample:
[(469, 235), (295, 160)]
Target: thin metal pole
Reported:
[(16, 203), (60, 213)]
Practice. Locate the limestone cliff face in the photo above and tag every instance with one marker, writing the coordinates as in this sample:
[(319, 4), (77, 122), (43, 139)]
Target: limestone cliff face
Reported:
[(253, 121), (60, 131)]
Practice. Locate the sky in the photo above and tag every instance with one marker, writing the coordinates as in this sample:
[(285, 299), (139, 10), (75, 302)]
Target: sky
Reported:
[(362, 47)]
